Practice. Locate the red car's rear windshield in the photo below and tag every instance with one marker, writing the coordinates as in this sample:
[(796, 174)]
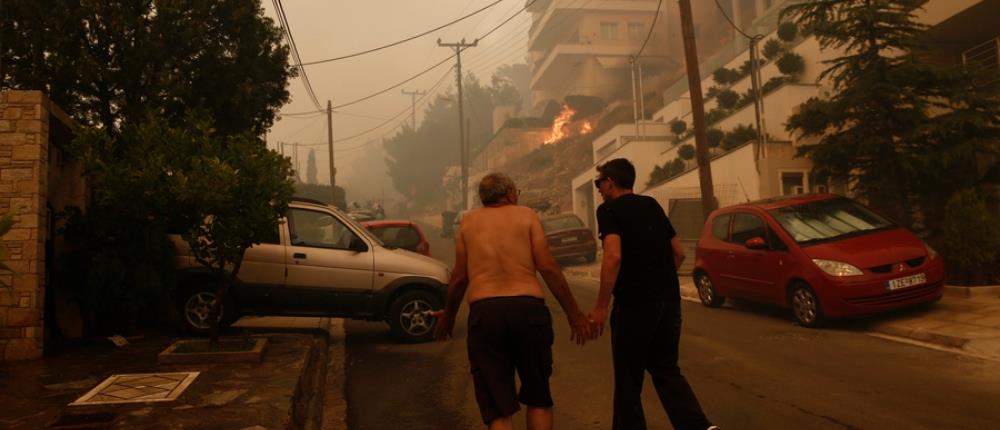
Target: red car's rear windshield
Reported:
[(827, 220)]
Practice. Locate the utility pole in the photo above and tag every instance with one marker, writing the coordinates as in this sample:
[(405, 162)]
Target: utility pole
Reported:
[(329, 140), (458, 47), (697, 110), (413, 106)]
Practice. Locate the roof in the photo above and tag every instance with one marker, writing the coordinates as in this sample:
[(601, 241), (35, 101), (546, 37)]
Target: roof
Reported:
[(387, 223), (783, 201)]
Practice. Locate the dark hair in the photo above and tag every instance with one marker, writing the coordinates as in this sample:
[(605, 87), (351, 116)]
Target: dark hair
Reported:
[(619, 170)]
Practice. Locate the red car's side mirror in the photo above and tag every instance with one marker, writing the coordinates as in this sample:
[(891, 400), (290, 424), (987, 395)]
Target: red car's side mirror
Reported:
[(756, 243)]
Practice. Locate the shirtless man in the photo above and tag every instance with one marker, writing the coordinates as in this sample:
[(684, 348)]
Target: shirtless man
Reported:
[(498, 249)]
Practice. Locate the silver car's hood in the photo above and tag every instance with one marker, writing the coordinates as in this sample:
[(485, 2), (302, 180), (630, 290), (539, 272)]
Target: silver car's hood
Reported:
[(407, 263)]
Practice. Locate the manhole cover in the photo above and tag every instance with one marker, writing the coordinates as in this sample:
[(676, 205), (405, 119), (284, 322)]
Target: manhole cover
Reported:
[(97, 420), (137, 388)]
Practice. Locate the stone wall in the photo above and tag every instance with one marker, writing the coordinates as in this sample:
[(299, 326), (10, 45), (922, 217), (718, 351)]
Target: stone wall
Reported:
[(28, 123)]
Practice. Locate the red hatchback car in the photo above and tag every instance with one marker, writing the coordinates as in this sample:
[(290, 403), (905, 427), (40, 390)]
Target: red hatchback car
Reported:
[(822, 255), (400, 234)]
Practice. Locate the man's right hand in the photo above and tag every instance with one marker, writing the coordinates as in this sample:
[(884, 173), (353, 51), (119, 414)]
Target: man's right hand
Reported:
[(581, 329), (445, 324)]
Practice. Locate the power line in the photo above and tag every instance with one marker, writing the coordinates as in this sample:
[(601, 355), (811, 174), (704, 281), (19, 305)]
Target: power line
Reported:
[(383, 91), (731, 23), (283, 21), (399, 42), (651, 26)]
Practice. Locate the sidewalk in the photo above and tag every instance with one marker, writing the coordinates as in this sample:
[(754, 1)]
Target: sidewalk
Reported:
[(290, 388), (966, 319)]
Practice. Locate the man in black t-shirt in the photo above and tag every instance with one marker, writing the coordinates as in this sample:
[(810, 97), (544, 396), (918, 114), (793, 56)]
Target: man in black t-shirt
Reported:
[(641, 257)]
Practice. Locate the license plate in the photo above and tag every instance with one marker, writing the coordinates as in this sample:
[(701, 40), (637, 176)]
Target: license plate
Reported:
[(568, 239), (908, 281)]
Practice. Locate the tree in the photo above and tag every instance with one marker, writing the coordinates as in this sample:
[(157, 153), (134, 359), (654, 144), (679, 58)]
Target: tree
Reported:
[(311, 167), (787, 31), (518, 76), (791, 64), (727, 99), (714, 137), (678, 126), (904, 133), (110, 64)]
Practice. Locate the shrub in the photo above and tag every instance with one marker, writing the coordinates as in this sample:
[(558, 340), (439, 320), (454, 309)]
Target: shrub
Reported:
[(969, 239), (772, 49), (791, 64), (656, 176), (738, 136), (772, 84), (721, 76), (714, 137), (676, 167), (787, 31), (712, 92), (727, 99), (686, 151), (715, 115), (678, 126), (745, 68)]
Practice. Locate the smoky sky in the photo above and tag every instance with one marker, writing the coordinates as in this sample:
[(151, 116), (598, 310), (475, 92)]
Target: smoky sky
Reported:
[(327, 29)]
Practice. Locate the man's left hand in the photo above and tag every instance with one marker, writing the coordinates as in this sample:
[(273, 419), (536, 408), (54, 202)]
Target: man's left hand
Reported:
[(597, 317)]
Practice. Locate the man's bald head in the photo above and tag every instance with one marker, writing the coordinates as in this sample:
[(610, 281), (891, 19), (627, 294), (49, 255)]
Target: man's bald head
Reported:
[(494, 187)]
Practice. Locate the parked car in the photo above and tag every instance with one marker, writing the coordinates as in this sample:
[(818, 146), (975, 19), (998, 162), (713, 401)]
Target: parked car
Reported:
[(569, 238), (400, 234), (822, 255), (320, 262)]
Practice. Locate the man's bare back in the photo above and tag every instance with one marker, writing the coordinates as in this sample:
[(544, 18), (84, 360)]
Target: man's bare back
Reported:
[(498, 243)]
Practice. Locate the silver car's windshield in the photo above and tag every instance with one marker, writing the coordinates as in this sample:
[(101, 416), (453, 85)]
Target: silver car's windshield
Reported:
[(358, 227)]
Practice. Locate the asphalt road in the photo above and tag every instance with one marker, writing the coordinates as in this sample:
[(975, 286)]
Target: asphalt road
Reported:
[(751, 367)]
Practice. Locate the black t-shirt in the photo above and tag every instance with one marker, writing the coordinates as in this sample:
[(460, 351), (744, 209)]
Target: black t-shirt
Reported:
[(647, 267)]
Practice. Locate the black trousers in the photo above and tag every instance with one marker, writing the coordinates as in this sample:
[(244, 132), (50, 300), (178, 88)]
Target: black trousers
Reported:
[(645, 337)]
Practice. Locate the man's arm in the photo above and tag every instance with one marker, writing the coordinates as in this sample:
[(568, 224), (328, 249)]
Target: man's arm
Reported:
[(679, 255), (610, 264), (546, 264), (457, 285)]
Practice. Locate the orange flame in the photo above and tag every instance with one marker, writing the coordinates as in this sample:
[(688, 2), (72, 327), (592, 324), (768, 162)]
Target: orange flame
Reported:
[(586, 128), (559, 125)]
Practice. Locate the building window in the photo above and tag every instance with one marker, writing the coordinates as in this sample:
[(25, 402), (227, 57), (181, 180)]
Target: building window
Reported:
[(636, 30), (793, 183), (609, 30)]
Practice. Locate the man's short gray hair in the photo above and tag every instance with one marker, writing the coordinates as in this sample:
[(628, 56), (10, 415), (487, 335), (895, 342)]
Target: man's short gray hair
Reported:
[(494, 187)]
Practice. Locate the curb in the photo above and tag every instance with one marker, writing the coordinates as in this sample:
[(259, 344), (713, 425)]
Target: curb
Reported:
[(988, 291), (920, 335), (307, 401), (335, 396)]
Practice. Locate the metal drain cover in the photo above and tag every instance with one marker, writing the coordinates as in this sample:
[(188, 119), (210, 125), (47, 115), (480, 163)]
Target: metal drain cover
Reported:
[(138, 388)]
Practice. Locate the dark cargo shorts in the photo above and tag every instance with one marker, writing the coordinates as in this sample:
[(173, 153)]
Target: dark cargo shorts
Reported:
[(508, 334)]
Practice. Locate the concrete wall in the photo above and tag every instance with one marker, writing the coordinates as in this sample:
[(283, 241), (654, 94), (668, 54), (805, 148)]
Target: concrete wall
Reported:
[(35, 178)]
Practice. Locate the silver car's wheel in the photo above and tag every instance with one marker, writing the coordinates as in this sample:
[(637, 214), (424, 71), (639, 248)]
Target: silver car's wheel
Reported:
[(410, 316), (806, 306), (415, 318), (706, 291), (196, 305)]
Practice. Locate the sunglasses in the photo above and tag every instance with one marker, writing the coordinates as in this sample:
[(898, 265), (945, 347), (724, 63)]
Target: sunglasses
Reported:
[(597, 182)]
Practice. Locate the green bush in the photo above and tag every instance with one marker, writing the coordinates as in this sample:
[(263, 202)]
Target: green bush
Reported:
[(772, 84), (738, 136), (787, 31), (970, 239), (772, 49), (676, 167), (712, 92), (727, 99), (678, 126), (686, 151), (721, 76), (791, 64), (715, 137), (715, 115), (745, 68)]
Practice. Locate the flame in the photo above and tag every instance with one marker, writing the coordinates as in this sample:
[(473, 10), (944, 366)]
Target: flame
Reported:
[(586, 128), (559, 124)]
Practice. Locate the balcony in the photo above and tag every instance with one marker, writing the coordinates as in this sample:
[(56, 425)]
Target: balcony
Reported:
[(564, 16), (985, 56)]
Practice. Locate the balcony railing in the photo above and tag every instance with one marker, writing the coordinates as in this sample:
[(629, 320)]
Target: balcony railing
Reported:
[(984, 56)]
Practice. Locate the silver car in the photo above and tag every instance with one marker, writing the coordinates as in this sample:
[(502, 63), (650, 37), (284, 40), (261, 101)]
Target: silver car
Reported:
[(320, 262)]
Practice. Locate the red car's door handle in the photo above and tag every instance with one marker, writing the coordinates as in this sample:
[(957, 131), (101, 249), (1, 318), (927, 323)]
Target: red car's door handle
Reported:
[(299, 255)]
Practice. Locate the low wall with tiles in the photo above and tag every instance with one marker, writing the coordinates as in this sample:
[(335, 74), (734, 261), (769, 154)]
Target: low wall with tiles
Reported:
[(31, 170)]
